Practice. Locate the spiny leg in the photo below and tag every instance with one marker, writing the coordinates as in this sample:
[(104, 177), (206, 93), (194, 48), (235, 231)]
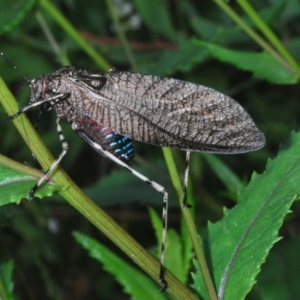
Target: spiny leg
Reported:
[(154, 185), (55, 163), (186, 178), (38, 118), (162, 191), (163, 241), (56, 98), (37, 123)]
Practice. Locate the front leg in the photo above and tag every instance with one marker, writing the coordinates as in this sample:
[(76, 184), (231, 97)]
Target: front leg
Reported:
[(55, 163), (54, 100)]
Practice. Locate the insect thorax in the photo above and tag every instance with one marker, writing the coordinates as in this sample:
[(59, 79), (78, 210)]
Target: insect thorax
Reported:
[(75, 95)]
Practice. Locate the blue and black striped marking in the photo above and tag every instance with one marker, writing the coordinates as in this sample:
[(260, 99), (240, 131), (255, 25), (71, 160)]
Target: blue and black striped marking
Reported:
[(119, 145)]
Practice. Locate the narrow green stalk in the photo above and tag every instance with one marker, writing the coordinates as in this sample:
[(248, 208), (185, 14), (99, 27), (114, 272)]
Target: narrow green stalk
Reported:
[(54, 45), (50, 37), (3, 294), (269, 34), (190, 225), (87, 207), (72, 32), (121, 35), (259, 40)]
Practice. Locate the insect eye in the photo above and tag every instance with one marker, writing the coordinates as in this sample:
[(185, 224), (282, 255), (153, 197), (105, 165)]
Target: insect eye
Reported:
[(76, 73)]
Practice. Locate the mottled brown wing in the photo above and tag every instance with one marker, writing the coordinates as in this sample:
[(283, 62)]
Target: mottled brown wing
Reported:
[(174, 113)]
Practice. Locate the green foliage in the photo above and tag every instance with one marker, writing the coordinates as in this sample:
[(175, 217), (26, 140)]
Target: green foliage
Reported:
[(132, 185), (6, 282), (242, 51), (175, 254), (226, 175), (12, 13), (15, 185), (247, 232), (263, 65), (279, 278), (184, 58), (135, 283), (156, 16)]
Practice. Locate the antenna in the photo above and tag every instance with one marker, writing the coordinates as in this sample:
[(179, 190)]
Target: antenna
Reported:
[(15, 67)]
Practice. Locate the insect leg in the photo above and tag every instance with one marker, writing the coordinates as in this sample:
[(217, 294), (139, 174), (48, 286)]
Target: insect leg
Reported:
[(153, 184), (38, 117), (25, 108), (36, 124), (55, 163), (186, 178)]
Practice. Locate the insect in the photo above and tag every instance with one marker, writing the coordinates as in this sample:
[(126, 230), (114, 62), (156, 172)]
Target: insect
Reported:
[(109, 110)]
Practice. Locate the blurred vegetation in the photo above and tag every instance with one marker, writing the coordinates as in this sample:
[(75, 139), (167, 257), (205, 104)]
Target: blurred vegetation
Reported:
[(197, 41)]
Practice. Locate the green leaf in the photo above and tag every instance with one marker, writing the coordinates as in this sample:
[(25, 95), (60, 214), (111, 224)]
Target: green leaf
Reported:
[(157, 225), (134, 282), (6, 282), (15, 184), (293, 46), (41, 66), (240, 242), (156, 16), (280, 274), (13, 12), (227, 176), (262, 65), (173, 259), (130, 188), (212, 31), (185, 57)]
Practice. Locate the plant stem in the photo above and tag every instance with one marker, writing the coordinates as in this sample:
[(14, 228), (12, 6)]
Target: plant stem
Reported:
[(259, 40), (3, 294), (72, 32), (121, 35), (51, 39), (269, 34), (190, 225)]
